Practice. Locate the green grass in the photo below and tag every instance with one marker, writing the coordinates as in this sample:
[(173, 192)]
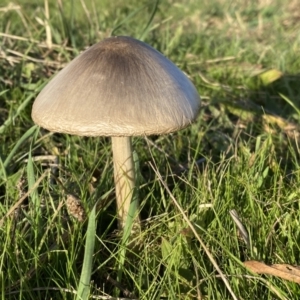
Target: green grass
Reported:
[(242, 154)]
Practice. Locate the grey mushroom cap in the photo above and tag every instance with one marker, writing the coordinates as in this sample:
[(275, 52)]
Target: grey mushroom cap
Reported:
[(118, 87)]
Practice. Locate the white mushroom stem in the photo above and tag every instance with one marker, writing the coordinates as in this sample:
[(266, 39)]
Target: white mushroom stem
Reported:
[(124, 175)]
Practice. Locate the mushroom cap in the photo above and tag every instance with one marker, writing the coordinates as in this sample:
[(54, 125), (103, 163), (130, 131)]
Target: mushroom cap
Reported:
[(118, 87)]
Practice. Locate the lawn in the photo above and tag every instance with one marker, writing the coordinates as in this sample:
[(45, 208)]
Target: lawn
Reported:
[(219, 193)]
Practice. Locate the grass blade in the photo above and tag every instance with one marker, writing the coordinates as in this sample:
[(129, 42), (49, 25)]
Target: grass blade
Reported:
[(20, 109), (146, 29), (130, 220), (290, 103), (24, 137), (31, 178), (85, 278), (131, 15)]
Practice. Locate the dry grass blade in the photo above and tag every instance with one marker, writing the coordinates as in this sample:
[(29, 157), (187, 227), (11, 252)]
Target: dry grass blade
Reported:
[(70, 291), (29, 40), (285, 271), (290, 129), (47, 27), (43, 61), (213, 61), (243, 231), (10, 7), (212, 260)]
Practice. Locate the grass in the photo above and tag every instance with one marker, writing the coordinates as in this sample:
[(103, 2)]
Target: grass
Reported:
[(242, 154)]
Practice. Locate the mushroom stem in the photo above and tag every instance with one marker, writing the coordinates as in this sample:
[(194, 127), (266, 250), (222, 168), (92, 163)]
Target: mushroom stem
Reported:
[(124, 174)]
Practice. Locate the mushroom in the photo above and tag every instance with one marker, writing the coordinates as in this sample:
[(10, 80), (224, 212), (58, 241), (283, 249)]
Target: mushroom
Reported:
[(120, 87)]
